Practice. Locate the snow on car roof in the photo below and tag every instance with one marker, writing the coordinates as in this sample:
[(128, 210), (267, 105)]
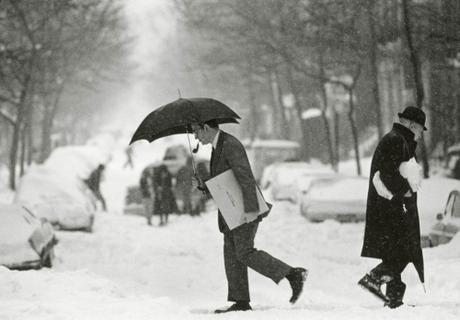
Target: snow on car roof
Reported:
[(273, 143), (340, 188)]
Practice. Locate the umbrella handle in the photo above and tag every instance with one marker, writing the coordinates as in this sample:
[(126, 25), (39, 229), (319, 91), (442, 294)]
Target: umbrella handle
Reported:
[(191, 152)]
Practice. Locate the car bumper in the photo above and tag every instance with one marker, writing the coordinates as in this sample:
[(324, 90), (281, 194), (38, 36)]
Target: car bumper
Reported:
[(76, 222), (339, 211)]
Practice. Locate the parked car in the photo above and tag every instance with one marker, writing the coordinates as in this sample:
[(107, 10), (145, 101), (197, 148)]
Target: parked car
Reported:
[(66, 203), (448, 222), (262, 153), (26, 242), (333, 196), (286, 179)]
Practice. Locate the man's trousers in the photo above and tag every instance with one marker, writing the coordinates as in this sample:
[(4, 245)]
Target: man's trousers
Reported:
[(239, 254)]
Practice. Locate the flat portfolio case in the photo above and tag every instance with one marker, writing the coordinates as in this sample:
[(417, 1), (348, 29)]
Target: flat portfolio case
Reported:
[(228, 196)]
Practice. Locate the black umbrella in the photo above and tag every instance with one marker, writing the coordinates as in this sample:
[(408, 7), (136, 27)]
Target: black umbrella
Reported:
[(177, 116)]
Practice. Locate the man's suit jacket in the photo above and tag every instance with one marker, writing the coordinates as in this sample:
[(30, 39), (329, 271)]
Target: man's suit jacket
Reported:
[(230, 154)]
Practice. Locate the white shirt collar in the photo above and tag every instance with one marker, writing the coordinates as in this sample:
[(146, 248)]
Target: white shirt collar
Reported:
[(216, 138)]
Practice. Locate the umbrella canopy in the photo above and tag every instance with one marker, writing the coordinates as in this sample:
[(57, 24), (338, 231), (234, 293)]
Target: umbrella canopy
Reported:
[(177, 116)]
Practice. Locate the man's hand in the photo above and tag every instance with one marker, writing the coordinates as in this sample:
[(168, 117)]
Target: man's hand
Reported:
[(196, 182)]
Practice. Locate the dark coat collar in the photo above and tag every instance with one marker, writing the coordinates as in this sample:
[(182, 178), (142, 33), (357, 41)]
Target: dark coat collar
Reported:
[(218, 150), (220, 140), (405, 132)]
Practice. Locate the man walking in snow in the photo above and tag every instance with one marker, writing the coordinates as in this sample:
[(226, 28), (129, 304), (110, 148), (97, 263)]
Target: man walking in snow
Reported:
[(94, 182), (239, 252), (392, 230)]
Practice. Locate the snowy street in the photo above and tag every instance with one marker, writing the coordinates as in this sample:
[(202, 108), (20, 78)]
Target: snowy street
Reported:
[(129, 127), (126, 269)]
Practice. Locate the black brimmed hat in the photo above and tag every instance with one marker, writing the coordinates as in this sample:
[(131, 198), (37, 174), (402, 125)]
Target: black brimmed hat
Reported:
[(414, 114)]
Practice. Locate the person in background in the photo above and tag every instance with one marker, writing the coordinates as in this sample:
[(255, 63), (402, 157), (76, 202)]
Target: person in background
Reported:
[(392, 231), (184, 186), (146, 186), (129, 158), (93, 182), (164, 199)]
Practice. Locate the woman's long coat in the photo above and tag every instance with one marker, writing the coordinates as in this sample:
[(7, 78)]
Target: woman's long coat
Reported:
[(165, 201), (392, 226)]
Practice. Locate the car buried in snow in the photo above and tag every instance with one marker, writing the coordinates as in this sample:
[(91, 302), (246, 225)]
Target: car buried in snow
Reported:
[(66, 203), (448, 222), (26, 242), (334, 196), (286, 180)]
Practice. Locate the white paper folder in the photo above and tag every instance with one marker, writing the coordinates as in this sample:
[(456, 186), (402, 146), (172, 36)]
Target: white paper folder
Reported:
[(227, 194)]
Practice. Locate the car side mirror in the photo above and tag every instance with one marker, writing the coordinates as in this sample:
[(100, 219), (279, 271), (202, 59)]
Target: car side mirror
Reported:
[(439, 216)]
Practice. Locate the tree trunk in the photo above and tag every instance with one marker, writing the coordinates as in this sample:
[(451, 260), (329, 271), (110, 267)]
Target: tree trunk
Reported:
[(277, 130), (252, 108), (13, 155), (298, 108), (30, 144), (23, 151), (336, 121), (327, 126), (47, 123), (354, 131), (17, 131), (282, 109), (374, 66), (419, 92)]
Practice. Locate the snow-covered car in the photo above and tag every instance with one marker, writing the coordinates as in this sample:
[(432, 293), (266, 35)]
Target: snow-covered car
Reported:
[(71, 162), (342, 198), (26, 242), (66, 203), (286, 179), (262, 153), (448, 222)]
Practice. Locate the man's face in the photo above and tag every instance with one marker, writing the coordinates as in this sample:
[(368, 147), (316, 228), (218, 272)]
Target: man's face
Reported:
[(202, 134), (417, 129)]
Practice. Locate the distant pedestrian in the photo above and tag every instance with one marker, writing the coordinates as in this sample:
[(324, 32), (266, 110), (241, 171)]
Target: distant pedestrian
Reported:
[(147, 193), (392, 230), (94, 181), (129, 158), (164, 199), (183, 186)]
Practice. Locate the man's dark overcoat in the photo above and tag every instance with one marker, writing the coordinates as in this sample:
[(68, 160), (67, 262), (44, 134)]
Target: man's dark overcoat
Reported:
[(392, 226), (230, 154)]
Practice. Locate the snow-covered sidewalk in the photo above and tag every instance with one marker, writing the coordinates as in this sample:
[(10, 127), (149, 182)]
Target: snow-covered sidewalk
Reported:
[(127, 270)]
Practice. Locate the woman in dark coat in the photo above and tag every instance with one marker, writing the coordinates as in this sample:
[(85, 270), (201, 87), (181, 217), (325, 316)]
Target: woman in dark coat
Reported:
[(392, 230), (165, 201), (184, 186)]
